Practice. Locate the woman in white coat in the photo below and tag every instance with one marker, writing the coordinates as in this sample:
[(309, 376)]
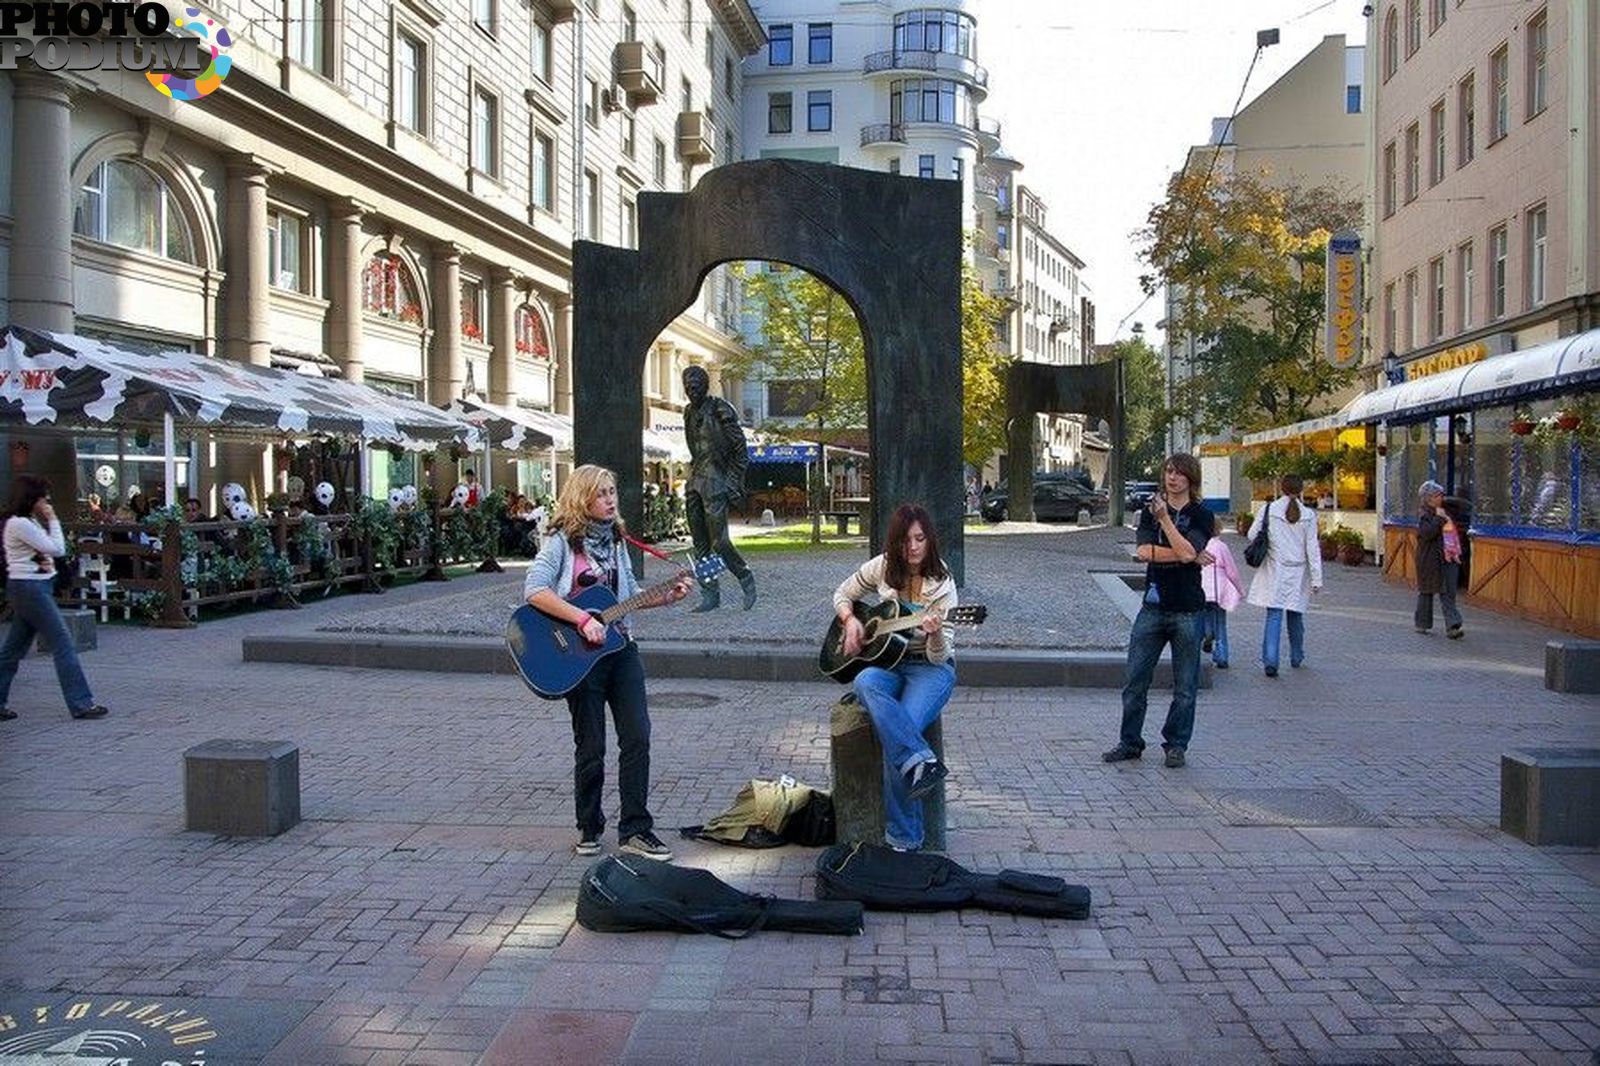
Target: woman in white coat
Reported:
[(1291, 572)]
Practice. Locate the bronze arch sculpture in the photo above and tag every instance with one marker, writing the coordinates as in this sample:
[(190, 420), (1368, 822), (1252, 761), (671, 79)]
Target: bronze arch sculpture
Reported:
[(892, 246), (1041, 388)]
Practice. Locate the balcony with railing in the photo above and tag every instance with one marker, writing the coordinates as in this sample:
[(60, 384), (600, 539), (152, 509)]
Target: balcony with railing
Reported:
[(881, 134), (988, 131), (985, 246), (986, 190), (638, 71), (948, 64)]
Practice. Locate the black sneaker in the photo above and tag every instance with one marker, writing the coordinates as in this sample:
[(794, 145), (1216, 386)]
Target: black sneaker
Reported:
[(1174, 758), (925, 777), (1122, 753), (1270, 671), (96, 711), (589, 845), (1207, 644), (649, 845)]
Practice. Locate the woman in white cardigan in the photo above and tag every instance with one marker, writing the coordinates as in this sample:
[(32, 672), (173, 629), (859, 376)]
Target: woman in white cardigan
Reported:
[(1291, 572)]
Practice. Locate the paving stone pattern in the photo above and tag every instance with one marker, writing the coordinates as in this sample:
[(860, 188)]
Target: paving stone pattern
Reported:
[(423, 911), (1038, 586)]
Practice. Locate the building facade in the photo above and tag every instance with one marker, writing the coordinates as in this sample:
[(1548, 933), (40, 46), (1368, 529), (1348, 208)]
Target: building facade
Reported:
[(1305, 129), (390, 191)]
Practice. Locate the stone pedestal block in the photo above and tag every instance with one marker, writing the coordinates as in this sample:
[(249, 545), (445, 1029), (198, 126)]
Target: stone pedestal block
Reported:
[(1551, 795), (1572, 666), (81, 624), (241, 787), (858, 779)]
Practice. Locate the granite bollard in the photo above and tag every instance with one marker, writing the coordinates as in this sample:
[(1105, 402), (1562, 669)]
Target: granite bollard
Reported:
[(857, 762)]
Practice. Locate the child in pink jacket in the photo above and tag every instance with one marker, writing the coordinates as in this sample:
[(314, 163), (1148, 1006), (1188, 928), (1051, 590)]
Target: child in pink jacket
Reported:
[(1224, 591)]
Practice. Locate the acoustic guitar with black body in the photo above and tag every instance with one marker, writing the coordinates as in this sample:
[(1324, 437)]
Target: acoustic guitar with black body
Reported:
[(885, 641)]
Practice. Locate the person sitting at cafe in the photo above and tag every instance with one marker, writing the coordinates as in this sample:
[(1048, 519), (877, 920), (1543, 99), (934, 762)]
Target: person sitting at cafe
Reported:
[(193, 511)]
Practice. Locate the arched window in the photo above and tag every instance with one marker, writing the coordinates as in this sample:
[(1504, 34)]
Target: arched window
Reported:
[(1391, 43), (389, 291), (124, 202), (532, 341)]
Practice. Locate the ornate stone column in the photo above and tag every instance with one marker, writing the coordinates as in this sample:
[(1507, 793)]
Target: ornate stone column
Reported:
[(345, 269), (562, 306), (503, 327), (246, 335), (41, 235), (447, 362)]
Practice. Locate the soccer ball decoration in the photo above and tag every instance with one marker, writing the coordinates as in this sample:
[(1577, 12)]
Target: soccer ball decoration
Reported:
[(232, 493), (242, 512), (458, 497), (397, 497), (410, 492), (324, 493)]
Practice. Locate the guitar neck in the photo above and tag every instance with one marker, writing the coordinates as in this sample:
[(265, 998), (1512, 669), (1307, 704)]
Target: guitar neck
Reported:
[(895, 625), (623, 608)]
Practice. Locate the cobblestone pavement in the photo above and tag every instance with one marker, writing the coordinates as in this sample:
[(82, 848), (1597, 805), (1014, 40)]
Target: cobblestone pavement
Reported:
[(1038, 582), (1365, 909)]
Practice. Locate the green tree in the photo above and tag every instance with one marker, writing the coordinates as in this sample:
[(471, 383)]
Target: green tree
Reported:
[(1247, 258), (983, 373), (1145, 414)]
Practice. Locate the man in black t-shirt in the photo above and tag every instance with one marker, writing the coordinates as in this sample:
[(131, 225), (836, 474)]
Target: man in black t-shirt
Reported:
[(1173, 532)]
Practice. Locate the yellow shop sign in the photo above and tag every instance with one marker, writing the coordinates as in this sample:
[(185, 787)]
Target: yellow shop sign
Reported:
[(1449, 359)]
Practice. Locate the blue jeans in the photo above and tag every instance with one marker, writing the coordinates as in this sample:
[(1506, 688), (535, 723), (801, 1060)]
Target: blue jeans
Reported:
[(902, 703), (1153, 630), (34, 610), (1297, 637), (1215, 622), (618, 680)]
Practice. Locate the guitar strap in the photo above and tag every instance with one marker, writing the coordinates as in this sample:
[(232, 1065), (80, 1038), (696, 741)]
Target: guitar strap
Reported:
[(647, 549)]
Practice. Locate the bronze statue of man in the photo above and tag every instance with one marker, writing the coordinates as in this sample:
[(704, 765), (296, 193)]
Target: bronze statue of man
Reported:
[(718, 459)]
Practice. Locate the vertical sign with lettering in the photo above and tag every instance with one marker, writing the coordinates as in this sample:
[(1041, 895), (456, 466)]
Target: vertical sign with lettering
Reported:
[(1342, 342)]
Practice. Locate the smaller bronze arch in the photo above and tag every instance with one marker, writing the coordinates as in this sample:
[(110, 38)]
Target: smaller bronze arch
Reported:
[(1041, 388)]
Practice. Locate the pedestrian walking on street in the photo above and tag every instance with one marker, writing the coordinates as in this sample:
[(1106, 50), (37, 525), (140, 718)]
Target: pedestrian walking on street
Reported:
[(586, 546), (1224, 592), (1174, 529), (33, 542), (1441, 553), (904, 700), (1291, 572)]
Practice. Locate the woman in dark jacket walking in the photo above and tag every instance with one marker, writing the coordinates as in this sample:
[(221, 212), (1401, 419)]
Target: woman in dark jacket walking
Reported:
[(1441, 551)]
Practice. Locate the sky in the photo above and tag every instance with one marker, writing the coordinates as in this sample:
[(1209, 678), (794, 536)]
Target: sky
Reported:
[(1101, 99)]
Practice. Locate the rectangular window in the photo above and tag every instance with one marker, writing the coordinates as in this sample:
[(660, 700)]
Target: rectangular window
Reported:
[(1436, 14), (544, 172), (308, 35), (924, 166), (1500, 93), (1352, 99), (1410, 323), (688, 20), (410, 83), (1413, 27), (1436, 141), (285, 237), (485, 132), (630, 132), (661, 163), (591, 205), (1388, 318), (711, 50), (728, 78), (1538, 63), (819, 110), (894, 165), (1467, 110), (729, 151), (1538, 254), (819, 48), (630, 223), (780, 45), (1466, 282), (1498, 246), (780, 112), (542, 56), (1436, 299), (473, 314), (1413, 161), (483, 15), (956, 169), (1389, 179), (630, 23), (686, 96)]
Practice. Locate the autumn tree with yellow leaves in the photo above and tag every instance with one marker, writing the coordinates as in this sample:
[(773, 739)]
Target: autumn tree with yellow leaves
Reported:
[(1247, 260)]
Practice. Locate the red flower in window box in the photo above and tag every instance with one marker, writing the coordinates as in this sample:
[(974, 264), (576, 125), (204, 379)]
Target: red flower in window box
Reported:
[(411, 313), (1568, 420), (1521, 425), (472, 331)]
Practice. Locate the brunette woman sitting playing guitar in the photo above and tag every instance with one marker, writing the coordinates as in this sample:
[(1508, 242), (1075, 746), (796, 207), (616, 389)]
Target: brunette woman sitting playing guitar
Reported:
[(905, 700), (585, 545)]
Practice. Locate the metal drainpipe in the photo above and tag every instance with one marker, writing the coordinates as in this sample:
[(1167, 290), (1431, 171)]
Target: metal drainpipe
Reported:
[(579, 81)]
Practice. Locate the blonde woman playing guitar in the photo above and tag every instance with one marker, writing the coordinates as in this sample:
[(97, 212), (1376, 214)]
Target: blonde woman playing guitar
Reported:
[(905, 700), (586, 545)]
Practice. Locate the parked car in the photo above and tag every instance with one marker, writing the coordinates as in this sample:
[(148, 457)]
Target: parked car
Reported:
[(1138, 494), (1055, 496)]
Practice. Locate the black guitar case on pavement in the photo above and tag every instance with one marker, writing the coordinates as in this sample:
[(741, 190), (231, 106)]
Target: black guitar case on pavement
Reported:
[(629, 895), (887, 880)]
